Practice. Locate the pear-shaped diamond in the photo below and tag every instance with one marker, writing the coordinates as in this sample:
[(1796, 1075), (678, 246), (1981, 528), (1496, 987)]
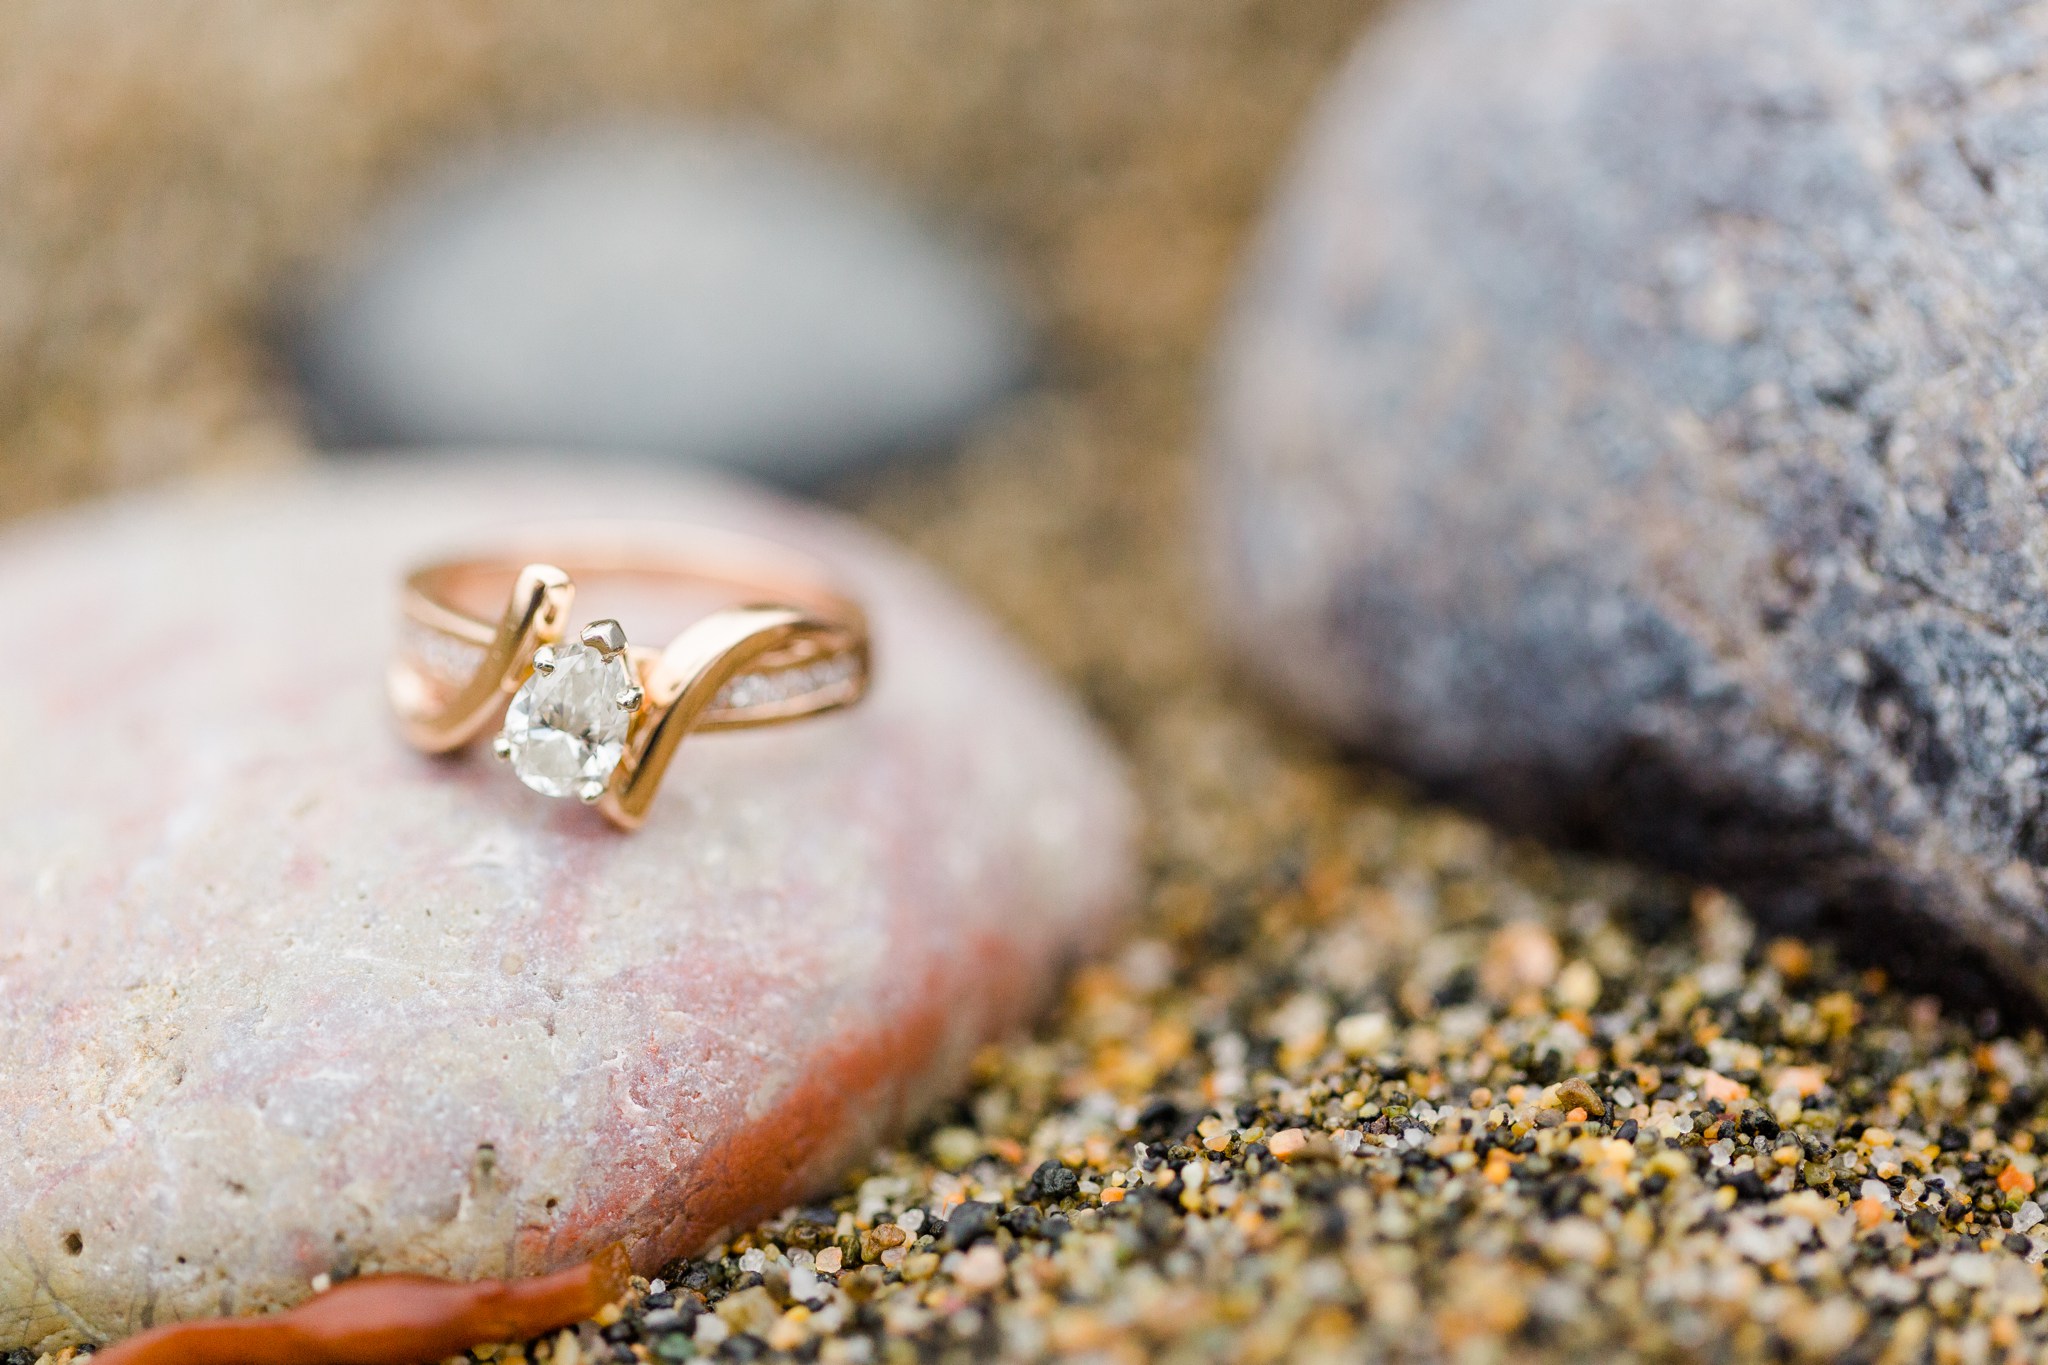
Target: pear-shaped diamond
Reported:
[(566, 727)]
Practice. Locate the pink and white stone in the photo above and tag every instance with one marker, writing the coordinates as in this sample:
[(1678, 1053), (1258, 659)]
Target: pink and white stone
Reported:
[(279, 997)]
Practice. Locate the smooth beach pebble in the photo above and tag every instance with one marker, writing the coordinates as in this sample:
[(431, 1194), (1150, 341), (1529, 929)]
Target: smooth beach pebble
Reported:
[(1633, 427), (705, 294), (281, 999)]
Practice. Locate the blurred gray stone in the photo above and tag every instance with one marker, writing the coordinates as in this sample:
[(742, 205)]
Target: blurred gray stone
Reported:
[(1635, 424), (709, 294)]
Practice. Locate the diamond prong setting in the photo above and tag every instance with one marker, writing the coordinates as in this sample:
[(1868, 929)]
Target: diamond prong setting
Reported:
[(606, 637), (565, 730)]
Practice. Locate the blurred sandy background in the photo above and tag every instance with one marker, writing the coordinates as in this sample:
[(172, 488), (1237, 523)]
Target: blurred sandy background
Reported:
[(170, 172)]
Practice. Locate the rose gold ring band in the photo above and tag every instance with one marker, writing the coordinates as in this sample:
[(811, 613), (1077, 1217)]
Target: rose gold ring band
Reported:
[(592, 712)]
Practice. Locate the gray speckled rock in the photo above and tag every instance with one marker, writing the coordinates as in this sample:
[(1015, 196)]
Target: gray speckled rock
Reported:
[(1635, 424), (281, 998), (707, 294)]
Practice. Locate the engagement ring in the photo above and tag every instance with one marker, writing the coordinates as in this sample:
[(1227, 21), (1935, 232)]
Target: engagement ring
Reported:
[(592, 715)]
